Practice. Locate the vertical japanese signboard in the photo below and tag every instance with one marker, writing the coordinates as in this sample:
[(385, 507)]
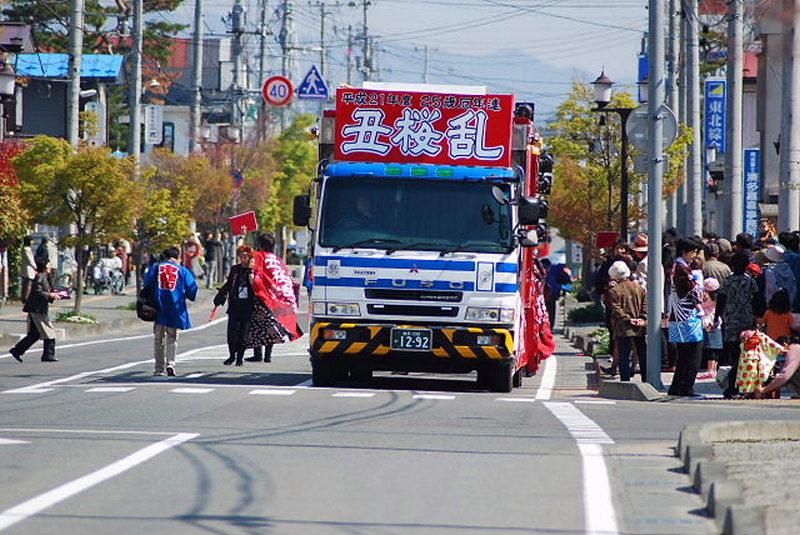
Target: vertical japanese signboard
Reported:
[(752, 190), (715, 114), (407, 127)]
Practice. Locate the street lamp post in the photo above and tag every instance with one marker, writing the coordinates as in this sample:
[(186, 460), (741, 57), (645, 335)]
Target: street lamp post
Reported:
[(8, 81), (602, 92)]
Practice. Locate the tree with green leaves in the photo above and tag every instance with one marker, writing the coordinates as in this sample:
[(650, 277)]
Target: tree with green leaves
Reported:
[(90, 189), (587, 178), (296, 157)]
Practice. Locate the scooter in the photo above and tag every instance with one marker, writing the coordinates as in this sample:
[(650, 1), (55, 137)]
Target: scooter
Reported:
[(104, 279)]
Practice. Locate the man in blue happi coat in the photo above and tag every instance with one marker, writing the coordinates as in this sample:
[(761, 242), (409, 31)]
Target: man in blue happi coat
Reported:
[(174, 285)]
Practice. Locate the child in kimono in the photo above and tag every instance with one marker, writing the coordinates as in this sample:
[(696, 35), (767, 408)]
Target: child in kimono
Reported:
[(759, 353)]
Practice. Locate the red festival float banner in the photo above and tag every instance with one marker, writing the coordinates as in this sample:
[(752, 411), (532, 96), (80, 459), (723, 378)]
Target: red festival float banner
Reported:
[(435, 128)]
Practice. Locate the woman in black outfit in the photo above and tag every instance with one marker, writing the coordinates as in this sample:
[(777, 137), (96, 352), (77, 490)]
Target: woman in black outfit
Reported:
[(38, 308), (238, 291)]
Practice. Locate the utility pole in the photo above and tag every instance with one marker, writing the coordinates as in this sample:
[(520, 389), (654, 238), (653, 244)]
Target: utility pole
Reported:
[(75, 63), (673, 97), (655, 153), (197, 77), (789, 189), (286, 39), (694, 213), (349, 55), (733, 152), (323, 14), (237, 24), (682, 193), (135, 95), (366, 50), (262, 70)]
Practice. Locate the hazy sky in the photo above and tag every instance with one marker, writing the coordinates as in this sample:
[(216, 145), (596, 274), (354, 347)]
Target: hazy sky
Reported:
[(537, 46)]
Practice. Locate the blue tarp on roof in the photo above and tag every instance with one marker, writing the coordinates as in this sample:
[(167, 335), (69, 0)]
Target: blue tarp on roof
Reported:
[(57, 65)]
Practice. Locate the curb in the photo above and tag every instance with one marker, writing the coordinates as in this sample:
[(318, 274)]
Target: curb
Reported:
[(724, 498), (628, 391)]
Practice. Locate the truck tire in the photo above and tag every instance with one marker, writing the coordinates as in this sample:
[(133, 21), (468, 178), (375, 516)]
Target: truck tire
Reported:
[(325, 372), (500, 377)]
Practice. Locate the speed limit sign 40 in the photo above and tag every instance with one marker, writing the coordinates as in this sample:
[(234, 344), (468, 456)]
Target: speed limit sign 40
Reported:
[(278, 91)]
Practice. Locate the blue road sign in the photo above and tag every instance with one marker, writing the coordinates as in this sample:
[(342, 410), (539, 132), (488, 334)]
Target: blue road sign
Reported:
[(715, 114), (313, 86), (752, 190)]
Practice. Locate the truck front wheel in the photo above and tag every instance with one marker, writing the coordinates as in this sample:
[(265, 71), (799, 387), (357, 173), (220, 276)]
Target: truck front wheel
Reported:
[(498, 378), (326, 371)]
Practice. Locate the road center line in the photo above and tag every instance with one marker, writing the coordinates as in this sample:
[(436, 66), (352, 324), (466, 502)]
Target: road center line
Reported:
[(39, 503), (598, 506), (125, 366), (128, 338), (548, 379)]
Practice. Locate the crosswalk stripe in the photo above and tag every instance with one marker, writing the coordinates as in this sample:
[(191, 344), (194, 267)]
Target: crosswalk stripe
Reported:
[(192, 390), (595, 402), (110, 389), (432, 396), (272, 392), (27, 391), (354, 394)]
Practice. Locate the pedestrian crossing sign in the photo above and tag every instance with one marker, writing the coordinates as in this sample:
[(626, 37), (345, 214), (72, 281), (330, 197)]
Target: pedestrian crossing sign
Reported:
[(313, 86)]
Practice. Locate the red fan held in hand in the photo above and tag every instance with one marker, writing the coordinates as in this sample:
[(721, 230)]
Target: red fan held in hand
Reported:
[(213, 314), (243, 223)]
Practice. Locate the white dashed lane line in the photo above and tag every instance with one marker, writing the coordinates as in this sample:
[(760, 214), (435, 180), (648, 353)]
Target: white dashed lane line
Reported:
[(272, 392), (111, 389), (517, 400), (192, 390), (433, 396), (354, 394)]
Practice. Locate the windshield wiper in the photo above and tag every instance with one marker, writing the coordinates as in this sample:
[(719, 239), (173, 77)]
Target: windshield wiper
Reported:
[(410, 246), (362, 243)]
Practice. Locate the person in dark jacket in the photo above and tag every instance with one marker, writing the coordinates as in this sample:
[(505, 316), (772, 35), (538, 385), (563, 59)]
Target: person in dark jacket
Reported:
[(238, 292), (38, 307)]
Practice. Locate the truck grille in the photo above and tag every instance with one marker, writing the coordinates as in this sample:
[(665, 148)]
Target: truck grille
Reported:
[(414, 295), (412, 310)]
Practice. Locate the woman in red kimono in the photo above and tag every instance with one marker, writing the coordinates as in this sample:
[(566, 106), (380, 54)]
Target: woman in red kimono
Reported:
[(274, 317)]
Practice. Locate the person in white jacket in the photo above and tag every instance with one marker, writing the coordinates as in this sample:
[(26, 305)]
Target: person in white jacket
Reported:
[(28, 268)]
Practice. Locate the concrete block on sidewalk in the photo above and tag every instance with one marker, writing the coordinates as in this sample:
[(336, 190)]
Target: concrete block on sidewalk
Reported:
[(629, 391)]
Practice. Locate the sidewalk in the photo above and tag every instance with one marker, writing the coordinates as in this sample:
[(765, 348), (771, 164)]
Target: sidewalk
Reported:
[(110, 310)]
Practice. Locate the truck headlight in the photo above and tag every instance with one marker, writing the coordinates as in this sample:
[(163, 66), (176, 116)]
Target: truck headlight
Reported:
[(505, 315), (338, 309)]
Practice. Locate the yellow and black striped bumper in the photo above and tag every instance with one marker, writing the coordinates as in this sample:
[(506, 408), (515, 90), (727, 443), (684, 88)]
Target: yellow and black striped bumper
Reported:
[(374, 340)]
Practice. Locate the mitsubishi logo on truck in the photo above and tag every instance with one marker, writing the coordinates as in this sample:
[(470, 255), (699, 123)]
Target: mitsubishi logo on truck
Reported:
[(413, 269)]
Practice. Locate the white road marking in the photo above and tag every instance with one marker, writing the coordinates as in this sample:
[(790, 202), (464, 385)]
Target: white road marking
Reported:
[(82, 431), (548, 379), (39, 503), (595, 402), (354, 394), (27, 390), (517, 400), (598, 505), (305, 383), (111, 389), (192, 390), (272, 392), (432, 396), (82, 375), (10, 441), (127, 338), (194, 375)]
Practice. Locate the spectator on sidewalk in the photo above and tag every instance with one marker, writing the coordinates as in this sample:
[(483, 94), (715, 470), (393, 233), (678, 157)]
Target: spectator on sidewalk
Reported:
[(712, 327), (28, 268), (628, 300), (685, 324), (778, 275), (38, 308), (713, 267), (213, 256), (558, 276), (174, 285), (788, 374), (778, 321)]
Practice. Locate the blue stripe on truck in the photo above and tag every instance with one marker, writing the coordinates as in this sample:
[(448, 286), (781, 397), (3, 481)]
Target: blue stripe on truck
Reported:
[(399, 263), (360, 282), (505, 267), (505, 287)]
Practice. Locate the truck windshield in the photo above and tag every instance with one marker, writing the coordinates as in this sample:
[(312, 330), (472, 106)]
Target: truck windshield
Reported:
[(428, 215)]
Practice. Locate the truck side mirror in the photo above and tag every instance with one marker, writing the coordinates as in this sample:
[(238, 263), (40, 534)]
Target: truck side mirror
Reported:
[(529, 238), (531, 210), (301, 212)]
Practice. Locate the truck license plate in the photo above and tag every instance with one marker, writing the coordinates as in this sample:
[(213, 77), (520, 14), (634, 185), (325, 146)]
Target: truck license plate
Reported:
[(412, 339)]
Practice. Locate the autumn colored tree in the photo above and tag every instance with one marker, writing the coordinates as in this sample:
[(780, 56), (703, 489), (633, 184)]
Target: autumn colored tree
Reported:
[(13, 216), (89, 189), (586, 189)]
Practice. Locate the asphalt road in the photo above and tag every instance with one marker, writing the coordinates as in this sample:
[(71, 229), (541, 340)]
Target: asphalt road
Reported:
[(95, 444)]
